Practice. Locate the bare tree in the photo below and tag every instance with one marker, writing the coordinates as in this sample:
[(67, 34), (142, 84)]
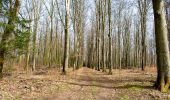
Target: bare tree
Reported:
[(162, 49), (66, 42), (109, 36), (36, 13)]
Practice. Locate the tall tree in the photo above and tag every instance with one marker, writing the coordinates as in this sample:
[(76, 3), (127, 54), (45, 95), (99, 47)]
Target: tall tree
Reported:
[(66, 41), (109, 36), (162, 49), (28, 40), (12, 17), (103, 8), (78, 21)]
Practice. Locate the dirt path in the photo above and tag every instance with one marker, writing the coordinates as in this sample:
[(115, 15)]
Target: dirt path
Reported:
[(84, 84), (88, 84)]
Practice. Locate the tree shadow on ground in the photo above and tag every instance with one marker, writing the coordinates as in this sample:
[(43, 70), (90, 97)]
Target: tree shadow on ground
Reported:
[(88, 78), (126, 86), (106, 80)]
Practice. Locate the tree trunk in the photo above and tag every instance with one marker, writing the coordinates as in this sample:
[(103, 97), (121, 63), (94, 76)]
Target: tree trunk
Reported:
[(1, 62), (110, 39), (103, 35), (7, 31), (162, 49), (66, 48)]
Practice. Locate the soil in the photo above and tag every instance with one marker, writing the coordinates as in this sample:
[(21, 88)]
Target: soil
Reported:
[(82, 84)]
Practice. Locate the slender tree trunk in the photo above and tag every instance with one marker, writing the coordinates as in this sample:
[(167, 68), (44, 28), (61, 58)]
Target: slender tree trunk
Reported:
[(45, 45), (103, 35), (51, 43), (51, 13), (66, 46), (143, 18), (75, 25), (35, 45), (36, 11), (99, 37), (110, 39), (27, 58), (34, 48)]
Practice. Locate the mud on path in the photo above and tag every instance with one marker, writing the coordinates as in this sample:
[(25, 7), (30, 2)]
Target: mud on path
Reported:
[(83, 84)]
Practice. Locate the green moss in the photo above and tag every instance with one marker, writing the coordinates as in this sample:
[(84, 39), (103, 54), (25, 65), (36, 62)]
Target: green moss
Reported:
[(94, 89), (124, 97), (134, 87)]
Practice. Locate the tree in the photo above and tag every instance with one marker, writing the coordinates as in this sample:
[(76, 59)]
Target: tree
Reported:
[(109, 36), (142, 6), (66, 40), (78, 21), (51, 15), (8, 30), (162, 49), (36, 14), (28, 40), (103, 8), (98, 34)]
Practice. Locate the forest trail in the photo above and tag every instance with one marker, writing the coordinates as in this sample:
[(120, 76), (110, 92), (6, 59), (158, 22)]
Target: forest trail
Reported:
[(82, 84)]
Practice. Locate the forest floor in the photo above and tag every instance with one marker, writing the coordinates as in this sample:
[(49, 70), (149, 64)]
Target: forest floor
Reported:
[(83, 84)]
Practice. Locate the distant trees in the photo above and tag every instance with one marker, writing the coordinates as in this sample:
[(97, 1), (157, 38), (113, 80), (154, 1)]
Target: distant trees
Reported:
[(118, 37), (143, 9), (78, 19), (104, 35), (97, 44)]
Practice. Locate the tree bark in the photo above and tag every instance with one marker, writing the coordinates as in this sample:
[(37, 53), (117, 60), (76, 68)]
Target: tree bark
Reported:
[(162, 49)]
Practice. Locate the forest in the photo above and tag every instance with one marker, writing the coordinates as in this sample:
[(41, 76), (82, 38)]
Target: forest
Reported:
[(84, 49)]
